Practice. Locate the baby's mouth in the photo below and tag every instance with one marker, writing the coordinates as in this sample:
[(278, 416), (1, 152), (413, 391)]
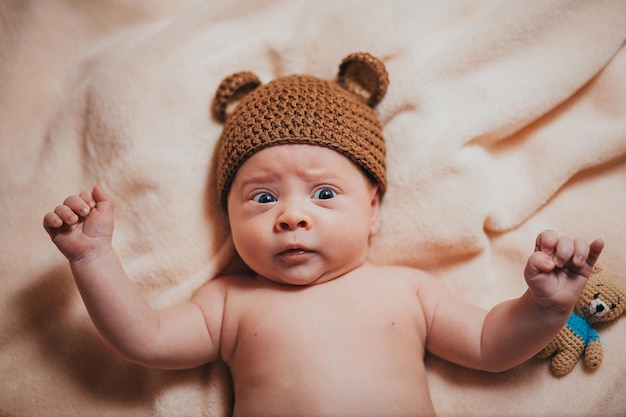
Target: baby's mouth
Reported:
[(296, 254), (294, 251)]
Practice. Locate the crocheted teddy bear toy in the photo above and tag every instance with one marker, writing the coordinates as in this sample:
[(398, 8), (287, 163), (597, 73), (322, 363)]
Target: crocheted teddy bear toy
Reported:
[(602, 300)]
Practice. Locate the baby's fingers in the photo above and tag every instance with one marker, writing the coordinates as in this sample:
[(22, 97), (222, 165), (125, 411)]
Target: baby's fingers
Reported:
[(52, 221), (55, 222), (88, 199), (595, 249), (79, 204), (546, 242), (564, 251), (66, 215), (70, 212), (581, 252), (538, 263)]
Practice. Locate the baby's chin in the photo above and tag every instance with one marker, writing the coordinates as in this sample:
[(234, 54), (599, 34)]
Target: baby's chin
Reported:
[(306, 276), (297, 281)]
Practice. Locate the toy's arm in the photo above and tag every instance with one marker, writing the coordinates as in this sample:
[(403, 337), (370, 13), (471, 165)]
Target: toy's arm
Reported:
[(593, 351)]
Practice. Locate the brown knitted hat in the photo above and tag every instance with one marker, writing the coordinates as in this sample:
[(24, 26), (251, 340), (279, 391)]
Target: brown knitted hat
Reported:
[(303, 109)]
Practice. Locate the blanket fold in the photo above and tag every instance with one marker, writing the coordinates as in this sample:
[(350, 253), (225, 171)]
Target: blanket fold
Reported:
[(502, 118)]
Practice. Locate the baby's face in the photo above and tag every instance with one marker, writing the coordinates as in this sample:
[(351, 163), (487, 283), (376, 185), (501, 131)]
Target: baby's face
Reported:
[(302, 214)]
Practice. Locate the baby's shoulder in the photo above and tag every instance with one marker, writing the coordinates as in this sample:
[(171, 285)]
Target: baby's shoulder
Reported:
[(222, 286)]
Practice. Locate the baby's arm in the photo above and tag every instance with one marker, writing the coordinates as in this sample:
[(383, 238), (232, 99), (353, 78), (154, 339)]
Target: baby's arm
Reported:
[(514, 331), (180, 337)]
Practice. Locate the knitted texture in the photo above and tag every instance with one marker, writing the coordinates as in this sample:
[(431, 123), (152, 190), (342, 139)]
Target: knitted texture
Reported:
[(601, 300), (297, 109), (579, 336)]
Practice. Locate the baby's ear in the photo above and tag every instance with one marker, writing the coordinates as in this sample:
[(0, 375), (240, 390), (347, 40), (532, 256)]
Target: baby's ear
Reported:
[(230, 92), (365, 76)]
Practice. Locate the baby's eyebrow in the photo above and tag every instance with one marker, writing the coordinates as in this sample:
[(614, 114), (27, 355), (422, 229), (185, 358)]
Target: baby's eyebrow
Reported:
[(323, 175), (260, 176)]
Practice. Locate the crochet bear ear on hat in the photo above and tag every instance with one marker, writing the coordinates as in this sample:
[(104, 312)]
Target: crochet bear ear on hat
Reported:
[(364, 75), (359, 73), (230, 91)]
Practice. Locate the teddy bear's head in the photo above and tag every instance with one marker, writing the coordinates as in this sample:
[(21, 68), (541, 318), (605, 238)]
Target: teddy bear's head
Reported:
[(602, 300)]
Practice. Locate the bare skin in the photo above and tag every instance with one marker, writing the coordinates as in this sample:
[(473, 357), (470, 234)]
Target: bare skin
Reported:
[(319, 330)]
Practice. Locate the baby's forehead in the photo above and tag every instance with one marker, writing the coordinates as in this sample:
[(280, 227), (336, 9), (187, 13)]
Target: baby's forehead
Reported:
[(304, 155), (307, 161)]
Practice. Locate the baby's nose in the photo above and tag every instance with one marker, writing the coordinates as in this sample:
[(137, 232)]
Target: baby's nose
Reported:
[(293, 220)]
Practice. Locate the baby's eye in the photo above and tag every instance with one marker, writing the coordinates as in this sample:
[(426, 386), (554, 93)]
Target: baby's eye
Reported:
[(264, 198), (324, 194)]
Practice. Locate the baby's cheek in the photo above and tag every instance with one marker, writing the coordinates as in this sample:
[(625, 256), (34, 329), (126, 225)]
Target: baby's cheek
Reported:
[(250, 246)]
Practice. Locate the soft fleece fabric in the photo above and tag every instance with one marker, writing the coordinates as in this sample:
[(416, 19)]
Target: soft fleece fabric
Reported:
[(502, 118)]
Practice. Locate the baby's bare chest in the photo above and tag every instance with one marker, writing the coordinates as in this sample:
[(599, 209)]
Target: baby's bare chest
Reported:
[(329, 345), (334, 324)]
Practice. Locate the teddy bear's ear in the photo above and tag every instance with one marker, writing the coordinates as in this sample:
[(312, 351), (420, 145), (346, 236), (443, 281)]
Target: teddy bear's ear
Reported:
[(601, 290), (364, 75), (230, 92)]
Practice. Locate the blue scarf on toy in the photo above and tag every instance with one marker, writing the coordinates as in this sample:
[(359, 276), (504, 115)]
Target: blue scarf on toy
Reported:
[(582, 329)]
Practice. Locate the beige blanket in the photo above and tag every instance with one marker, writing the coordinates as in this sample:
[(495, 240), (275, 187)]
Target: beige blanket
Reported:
[(502, 118)]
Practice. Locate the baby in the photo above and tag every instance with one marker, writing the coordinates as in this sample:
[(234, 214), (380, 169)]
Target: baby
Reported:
[(318, 329)]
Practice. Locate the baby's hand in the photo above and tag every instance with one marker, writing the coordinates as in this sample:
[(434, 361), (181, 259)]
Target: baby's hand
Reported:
[(558, 270), (81, 224)]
